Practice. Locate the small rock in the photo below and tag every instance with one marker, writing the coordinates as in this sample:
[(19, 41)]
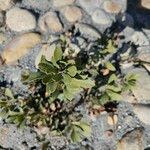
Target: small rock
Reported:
[(100, 17), (88, 31), (140, 39), (40, 5), (147, 67), (50, 21), (72, 13), (145, 3), (142, 112), (112, 7), (131, 141), (6, 4), (20, 46), (18, 19), (60, 3), (112, 120)]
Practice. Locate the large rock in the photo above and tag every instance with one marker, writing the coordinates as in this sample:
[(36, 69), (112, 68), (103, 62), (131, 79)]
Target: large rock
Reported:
[(60, 3), (5, 4), (50, 21), (145, 3), (20, 46), (142, 112), (131, 141), (72, 13), (18, 19)]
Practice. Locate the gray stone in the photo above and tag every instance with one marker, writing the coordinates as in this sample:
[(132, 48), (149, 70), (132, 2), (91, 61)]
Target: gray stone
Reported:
[(88, 31), (50, 21), (142, 112), (40, 5), (89, 6), (18, 19), (100, 17), (1, 19), (140, 39), (131, 141)]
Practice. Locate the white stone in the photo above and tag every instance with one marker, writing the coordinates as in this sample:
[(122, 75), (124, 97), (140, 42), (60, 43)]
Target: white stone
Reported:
[(100, 17), (20, 46), (60, 3), (50, 21), (145, 3), (72, 13), (5, 4), (18, 20)]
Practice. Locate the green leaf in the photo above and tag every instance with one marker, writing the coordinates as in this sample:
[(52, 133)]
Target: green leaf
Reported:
[(34, 76), (58, 54), (51, 87), (114, 88), (112, 78), (75, 136), (48, 78), (110, 66), (47, 68), (113, 95), (9, 93), (72, 71), (86, 129)]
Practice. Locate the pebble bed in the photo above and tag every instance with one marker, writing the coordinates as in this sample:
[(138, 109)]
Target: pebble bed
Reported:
[(26, 25)]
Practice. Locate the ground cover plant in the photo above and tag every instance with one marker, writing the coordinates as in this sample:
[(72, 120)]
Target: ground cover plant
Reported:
[(64, 81)]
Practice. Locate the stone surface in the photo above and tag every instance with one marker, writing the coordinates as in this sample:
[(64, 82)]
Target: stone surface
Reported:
[(131, 141), (140, 39), (60, 3), (142, 112), (145, 4), (88, 31), (40, 5), (1, 19), (20, 46), (18, 19), (5, 4), (72, 13), (50, 21), (112, 7), (2, 38), (100, 17)]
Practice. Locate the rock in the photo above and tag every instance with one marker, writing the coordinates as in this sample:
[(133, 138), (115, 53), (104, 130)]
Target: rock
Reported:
[(140, 39), (72, 13), (141, 90), (39, 5), (50, 21), (112, 7), (145, 4), (142, 112), (100, 17), (1, 19), (88, 31), (2, 38), (18, 19), (89, 6), (112, 120), (59, 3), (5, 4), (47, 51), (144, 54), (147, 67), (131, 141), (20, 46)]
